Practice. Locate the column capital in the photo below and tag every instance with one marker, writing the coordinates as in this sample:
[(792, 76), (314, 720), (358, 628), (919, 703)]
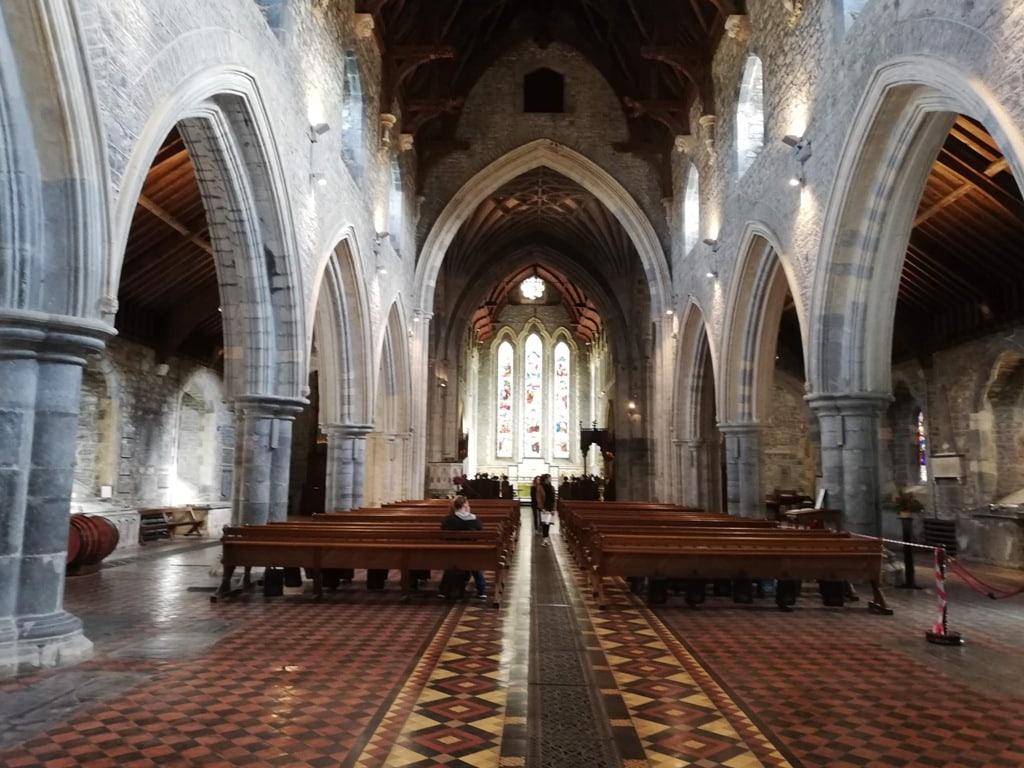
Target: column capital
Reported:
[(25, 333), (347, 430), (848, 403), (269, 406), (741, 428)]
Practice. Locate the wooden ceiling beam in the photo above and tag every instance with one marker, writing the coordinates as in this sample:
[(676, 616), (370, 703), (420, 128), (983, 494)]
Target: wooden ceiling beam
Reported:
[(174, 223)]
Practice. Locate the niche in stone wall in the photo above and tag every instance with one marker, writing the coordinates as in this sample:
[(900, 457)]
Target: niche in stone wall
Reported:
[(544, 91), (197, 449), (1004, 398), (96, 440)]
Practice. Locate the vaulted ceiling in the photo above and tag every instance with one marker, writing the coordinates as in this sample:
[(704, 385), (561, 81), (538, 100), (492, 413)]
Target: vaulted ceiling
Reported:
[(537, 212)]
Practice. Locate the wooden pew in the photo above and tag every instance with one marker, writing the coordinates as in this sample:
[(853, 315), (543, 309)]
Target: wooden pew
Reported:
[(783, 554), (315, 547)]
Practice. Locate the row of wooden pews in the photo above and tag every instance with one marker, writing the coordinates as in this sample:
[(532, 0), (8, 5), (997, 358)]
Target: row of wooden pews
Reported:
[(693, 548), (401, 536)]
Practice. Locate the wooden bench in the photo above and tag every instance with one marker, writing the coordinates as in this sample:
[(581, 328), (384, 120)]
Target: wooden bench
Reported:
[(163, 522), (316, 547), (782, 554)]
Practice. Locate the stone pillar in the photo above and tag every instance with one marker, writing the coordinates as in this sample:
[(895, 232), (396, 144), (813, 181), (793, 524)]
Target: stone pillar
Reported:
[(263, 445), (850, 455), (744, 491), (41, 361), (342, 440)]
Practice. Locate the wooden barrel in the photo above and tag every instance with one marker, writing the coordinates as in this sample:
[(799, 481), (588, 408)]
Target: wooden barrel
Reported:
[(74, 540), (97, 538)]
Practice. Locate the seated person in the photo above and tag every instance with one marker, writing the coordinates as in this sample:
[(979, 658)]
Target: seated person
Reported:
[(461, 518)]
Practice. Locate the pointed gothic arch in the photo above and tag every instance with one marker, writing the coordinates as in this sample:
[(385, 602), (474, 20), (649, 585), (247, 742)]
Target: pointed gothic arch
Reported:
[(340, 321), (697, 442), (223, 122), (750, 332), (902, 121), (569, 163)]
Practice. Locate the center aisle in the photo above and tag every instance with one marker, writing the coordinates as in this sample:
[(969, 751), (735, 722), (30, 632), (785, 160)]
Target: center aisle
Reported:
[(550, 680)]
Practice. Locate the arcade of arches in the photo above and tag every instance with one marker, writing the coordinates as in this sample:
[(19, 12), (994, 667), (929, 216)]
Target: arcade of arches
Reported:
[(269, 258)]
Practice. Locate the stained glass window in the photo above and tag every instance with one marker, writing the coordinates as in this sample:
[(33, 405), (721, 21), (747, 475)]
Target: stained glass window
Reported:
[(922, 449), (560, 408), (533, 408), (506, 422)]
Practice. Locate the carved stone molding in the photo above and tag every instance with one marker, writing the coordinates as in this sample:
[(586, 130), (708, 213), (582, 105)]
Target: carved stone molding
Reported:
[(364, 25), (708, 123), (737, 27)]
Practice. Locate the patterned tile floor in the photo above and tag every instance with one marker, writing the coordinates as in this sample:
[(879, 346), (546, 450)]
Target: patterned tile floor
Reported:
[(364, 679)]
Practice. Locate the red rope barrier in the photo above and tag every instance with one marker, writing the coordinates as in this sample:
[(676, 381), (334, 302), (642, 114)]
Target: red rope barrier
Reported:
[(972, 580)]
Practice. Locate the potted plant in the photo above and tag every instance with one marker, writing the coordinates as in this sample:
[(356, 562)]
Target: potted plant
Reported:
[(907, 503)]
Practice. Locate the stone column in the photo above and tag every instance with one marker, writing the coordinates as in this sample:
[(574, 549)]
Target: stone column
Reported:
[(342, 440), (849, 456), (41, 361), (744, 491), (263, 445)]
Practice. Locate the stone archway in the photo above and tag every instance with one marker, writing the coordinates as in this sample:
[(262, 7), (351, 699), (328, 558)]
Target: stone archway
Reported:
[(747, 365), (904, 118), (696, 440)]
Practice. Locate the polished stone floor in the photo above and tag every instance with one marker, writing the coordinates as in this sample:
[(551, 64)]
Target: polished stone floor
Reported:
[(365, 679)]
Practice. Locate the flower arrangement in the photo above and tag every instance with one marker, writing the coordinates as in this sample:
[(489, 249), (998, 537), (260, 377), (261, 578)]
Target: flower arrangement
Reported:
[(907, 501)]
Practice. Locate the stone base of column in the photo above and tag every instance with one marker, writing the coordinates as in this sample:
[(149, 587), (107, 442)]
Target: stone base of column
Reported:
[(44, 652)]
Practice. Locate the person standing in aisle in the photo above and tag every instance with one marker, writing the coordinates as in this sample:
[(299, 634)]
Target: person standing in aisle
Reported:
[(546, 502)]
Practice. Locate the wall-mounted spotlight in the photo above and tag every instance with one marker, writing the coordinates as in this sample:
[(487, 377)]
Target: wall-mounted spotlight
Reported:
[(801, 153), (318, 130), (669, 312), (318, 178), (712, 243), (711, 274), (381, 269)]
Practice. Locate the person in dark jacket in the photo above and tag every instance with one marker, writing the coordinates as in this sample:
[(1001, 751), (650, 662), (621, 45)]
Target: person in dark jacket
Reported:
[(546, 502), (461, 518), (535, 503)]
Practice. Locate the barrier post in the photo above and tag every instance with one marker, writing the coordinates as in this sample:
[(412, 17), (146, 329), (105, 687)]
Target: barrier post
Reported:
[(907, 522), (939, 633)]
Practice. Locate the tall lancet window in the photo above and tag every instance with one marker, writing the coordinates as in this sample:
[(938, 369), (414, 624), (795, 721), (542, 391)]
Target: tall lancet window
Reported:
[(506, 414), (922, 449), (533, 411), (560, 409)]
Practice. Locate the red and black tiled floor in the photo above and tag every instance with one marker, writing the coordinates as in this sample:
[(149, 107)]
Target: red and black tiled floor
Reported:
[(364, 679)]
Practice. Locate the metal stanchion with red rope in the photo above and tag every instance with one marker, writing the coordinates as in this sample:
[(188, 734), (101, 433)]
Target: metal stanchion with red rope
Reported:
[(939, 633)]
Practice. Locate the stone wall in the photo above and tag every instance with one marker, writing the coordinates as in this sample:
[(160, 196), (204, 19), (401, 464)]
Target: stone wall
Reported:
[(156, 435)]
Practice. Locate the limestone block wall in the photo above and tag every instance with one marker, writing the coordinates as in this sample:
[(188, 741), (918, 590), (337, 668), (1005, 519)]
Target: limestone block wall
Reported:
[(154, 436), (789, 455)]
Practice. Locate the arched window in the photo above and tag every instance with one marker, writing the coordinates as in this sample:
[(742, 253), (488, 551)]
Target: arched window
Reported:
[(533, 407), (691, 209), (534, 395), (560, 407), (395, 198), (851, 10), (750, 116), (922, 449), (273, 12), (352, 115), (506, 412)]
